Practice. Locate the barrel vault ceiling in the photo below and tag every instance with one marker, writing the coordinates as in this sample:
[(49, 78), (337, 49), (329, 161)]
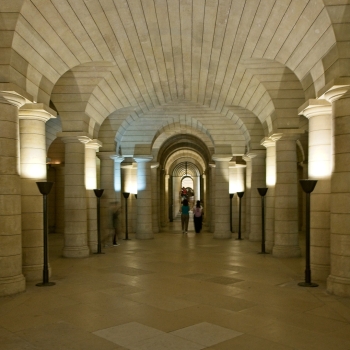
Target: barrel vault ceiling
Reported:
[(228, 71)]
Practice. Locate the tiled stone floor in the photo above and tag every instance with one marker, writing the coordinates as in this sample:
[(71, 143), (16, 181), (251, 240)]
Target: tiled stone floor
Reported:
[(175, 292)]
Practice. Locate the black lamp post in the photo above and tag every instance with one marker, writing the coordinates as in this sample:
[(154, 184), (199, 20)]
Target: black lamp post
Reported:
[(126, 196), (231, 196), (308, 186), (98, 194), (262, 191), (45, 188), (240, 195)]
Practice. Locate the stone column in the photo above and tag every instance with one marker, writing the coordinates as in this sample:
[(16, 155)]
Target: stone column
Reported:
[(247, 195), (144, 229), (91, 147), (270, 145), (211, 210), (75, 215), (258, 176), (155, 199), (204, 195), (237, 174), (59, 192), (111, 183), (11, 278), (166, 199), (126, 170), (338, 281), (319, 113), (117, 193), (286, 196), (32, 119), (222, 199)]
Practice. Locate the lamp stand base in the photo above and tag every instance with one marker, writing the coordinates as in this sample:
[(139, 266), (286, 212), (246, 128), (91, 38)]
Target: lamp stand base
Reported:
[(45, 284), (307, 284)]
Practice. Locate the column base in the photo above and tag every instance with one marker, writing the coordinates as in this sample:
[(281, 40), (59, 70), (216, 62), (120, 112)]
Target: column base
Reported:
[(222, 235), (320, 272), (93, 246), (76, 252), (12, 285), (269, 246), (286, 251), (144, 235), (338, 286), (34, 272)]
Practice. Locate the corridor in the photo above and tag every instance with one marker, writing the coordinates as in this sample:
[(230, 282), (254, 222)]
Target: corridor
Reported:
[(175, 292)]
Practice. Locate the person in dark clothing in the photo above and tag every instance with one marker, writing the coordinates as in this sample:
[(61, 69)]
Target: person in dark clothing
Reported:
[(198, 216)]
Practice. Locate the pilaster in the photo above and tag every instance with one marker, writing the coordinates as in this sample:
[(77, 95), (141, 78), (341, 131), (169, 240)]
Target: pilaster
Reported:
[(144, 229), (75, 204), (222, 200), (155, 197), (286, 195)]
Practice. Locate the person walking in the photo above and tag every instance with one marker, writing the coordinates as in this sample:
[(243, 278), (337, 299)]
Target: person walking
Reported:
[(185, 215), (115, 218), (198, 217)]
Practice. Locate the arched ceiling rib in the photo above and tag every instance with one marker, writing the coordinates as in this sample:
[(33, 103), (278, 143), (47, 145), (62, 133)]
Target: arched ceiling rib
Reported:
[(185, 169)]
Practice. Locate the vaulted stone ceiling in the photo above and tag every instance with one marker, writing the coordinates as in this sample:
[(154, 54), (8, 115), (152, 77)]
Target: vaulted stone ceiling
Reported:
[(231, 70)]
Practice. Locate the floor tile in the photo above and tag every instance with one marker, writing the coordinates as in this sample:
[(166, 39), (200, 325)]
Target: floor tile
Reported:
[(128, 334), (165, 342), (206, 334)]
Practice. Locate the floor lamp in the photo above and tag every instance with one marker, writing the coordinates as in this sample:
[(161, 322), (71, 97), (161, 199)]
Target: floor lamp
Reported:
[(240, 195), (126, 196), (308, 186), (262, 191), (45, 188), (98, 194)]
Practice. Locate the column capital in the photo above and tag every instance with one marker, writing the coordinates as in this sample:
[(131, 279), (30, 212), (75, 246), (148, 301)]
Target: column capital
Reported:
[(268, 142), (36, 111), (142, 158), (12, 98), (73, 136), (335, 89), (248, 156), (221, 157), (117, 158), (314, 108), (93, 144)]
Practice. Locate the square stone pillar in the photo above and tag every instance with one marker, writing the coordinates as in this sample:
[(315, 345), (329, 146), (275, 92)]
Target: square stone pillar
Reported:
[(248, 186), (107, 179), (258, 171), (286, 195), (144, 229), (75, 204), (155, 197), (210, 214), (222, 198)]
